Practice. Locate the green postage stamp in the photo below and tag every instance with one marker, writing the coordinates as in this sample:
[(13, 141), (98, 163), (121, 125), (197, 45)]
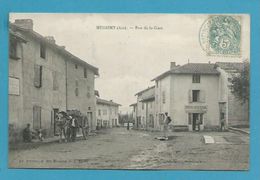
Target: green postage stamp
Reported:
[(220, 35)]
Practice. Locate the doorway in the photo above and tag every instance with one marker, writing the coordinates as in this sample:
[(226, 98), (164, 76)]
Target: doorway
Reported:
[(195, 117), (53, 124)]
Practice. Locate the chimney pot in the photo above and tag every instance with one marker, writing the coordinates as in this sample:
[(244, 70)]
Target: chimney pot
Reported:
[(173, 65), (50, 39), (24, 23)]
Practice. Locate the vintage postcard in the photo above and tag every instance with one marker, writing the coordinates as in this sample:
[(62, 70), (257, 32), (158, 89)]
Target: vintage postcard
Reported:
[(129, 91)]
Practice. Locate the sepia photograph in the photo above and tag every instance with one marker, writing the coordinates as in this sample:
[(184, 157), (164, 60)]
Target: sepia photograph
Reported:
[(129, 91)]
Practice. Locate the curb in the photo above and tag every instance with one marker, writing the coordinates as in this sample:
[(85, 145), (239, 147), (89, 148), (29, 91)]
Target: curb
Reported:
[(239, 130)]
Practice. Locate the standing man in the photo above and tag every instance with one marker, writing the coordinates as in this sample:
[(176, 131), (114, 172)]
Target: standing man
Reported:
[(167, 120), (74, 129), (222, 124)]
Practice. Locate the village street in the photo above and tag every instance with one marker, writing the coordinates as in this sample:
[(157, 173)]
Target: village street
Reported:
[(118, 148)]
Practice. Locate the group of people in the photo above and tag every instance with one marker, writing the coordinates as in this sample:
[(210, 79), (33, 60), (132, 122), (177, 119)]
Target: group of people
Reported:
[(29, 134)]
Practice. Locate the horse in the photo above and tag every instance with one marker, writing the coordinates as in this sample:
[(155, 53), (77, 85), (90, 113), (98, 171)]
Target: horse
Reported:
[(63, 123), (81, 121)]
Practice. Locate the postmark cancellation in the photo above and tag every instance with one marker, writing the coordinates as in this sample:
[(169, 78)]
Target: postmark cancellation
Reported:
[(220, 35)]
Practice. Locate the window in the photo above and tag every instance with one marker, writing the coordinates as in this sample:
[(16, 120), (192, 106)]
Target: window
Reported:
[(195, 95), (163, 97), (85, 73), (195, 78), (142, 105), (104, 112), (42, 51), (99, 112), (36, 117), (37, 76), (13, 49), (76, 66), (76, 91)]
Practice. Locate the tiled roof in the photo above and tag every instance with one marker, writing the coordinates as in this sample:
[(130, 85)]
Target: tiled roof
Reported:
[(134, 104), (238, 66), (148, 98), (191, 68), (53, 45), (145, 90), (103, 101)]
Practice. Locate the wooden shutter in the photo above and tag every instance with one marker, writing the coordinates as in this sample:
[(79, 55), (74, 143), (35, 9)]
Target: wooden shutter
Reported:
[(190, 119), (190, 96), (36, 117), (55, 80), (37, 76), (202, 96)]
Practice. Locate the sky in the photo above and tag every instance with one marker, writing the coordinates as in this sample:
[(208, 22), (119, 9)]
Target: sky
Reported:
[(139, 48)]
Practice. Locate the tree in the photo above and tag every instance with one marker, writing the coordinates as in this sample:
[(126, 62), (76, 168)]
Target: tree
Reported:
[(239, 83)]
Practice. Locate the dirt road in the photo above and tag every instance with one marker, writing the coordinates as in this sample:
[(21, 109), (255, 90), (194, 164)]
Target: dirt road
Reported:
[(118, 148)]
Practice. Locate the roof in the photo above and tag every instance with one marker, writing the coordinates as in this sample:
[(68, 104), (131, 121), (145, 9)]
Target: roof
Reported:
[(140, 92), (148, 98), (60, 49), (191, 68), (17, 36), (134, 104), (103, 101), (237, 66)]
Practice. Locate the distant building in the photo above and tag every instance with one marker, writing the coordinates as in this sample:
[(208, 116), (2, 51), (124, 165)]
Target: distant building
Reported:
[(107, 113), (145, 108), (45, 78), (237, 114), (134, 113)]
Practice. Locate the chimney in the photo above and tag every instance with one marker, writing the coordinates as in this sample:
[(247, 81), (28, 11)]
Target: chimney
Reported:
[(173, 65), (24, 23), (50, 39)]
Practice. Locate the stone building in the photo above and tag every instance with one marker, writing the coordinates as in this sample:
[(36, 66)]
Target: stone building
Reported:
[(188, 93), (234, 111), (107, 113), (45, 78), (195, 95), (145, 108), (134, 113)]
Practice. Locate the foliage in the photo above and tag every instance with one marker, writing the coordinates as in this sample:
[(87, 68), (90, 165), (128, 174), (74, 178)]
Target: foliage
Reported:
[(239, 83)]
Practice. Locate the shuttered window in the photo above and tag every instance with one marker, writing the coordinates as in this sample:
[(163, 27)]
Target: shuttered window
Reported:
[(195, 78), (197, 96), (43, 51), (36, 117), (37, 76)]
